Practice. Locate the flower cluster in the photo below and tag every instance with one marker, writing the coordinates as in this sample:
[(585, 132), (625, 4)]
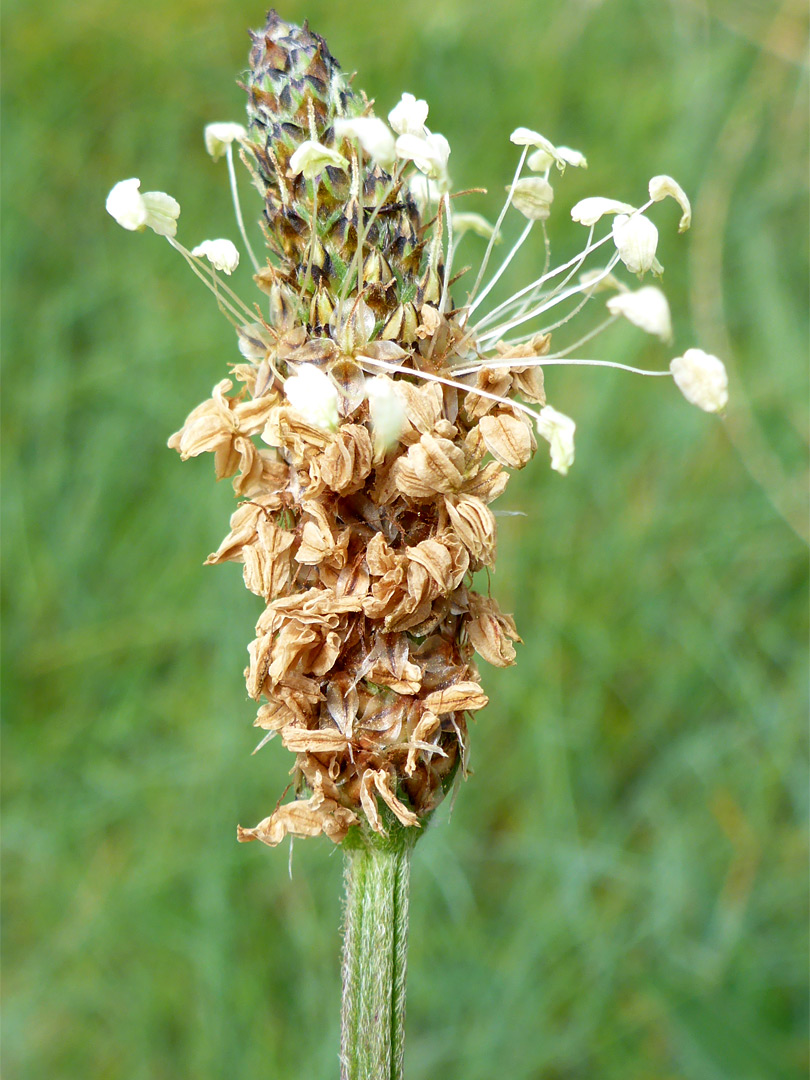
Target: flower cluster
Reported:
[(373, 421)]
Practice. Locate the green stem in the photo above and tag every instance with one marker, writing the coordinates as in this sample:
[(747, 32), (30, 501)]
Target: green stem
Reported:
[(377, 872)]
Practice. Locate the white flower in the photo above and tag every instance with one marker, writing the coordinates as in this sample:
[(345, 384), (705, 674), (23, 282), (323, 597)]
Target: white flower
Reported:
[(558, 429), (523, 136), (702, 379), (222, 254), (387, 411), (466, 221), (424, 191), (313, 394), (429, 154), (218, 137), (373, 134), (311, 158), (533, 197), (540, 160), (646, 308), (661, 186), (636, 239), (571, 157), (589, 211), (408, 116), (546, 151), (135, 211)]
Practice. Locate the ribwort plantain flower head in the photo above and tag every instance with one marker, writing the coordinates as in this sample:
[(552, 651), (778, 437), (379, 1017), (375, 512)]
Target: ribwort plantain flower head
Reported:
[(373, 414)]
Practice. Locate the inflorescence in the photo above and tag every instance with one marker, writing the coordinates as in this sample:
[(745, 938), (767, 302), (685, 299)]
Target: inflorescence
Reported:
[(375, 417)]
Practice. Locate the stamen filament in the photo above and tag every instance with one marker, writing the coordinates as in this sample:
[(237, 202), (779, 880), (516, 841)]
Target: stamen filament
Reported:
[(237, 207), (533, 286), (231, 313), (499, 331), (316, 183), (498, 224), (571, 348), (499, 272), (430, 377), (448, 262), (546, 361)]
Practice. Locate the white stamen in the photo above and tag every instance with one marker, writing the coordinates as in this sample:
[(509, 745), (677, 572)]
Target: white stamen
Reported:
[(222, 254), (498, 224), (237, 208)]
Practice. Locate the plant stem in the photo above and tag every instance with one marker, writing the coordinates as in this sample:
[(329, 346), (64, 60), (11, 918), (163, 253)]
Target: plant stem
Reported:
[(377, 874)]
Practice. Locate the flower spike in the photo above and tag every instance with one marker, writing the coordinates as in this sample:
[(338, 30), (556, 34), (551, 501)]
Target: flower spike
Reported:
[(371, 415)]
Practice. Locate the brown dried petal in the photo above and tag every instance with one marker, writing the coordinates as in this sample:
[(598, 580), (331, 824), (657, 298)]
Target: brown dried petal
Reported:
[(347, 460), (243, 531), (273, 716), (249, 464), (380, 558), (342, 702), (369, 802), (423, 404), (304, 817), (491, 632), (379, 781), (494, 381), (488, 483), (430, 321), (302, 741), (428, 723), (430, 466), (259, 651), (508, 438), (528, 382), (475, 526), (456, 698), (268, 566), (286, 428), (207, 427), (316, 605), (445, 559), (324, 658), (291, 649), (382, 782), (250, 416)]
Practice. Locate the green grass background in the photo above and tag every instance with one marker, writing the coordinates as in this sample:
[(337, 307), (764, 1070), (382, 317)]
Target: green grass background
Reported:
[(621, 890)]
